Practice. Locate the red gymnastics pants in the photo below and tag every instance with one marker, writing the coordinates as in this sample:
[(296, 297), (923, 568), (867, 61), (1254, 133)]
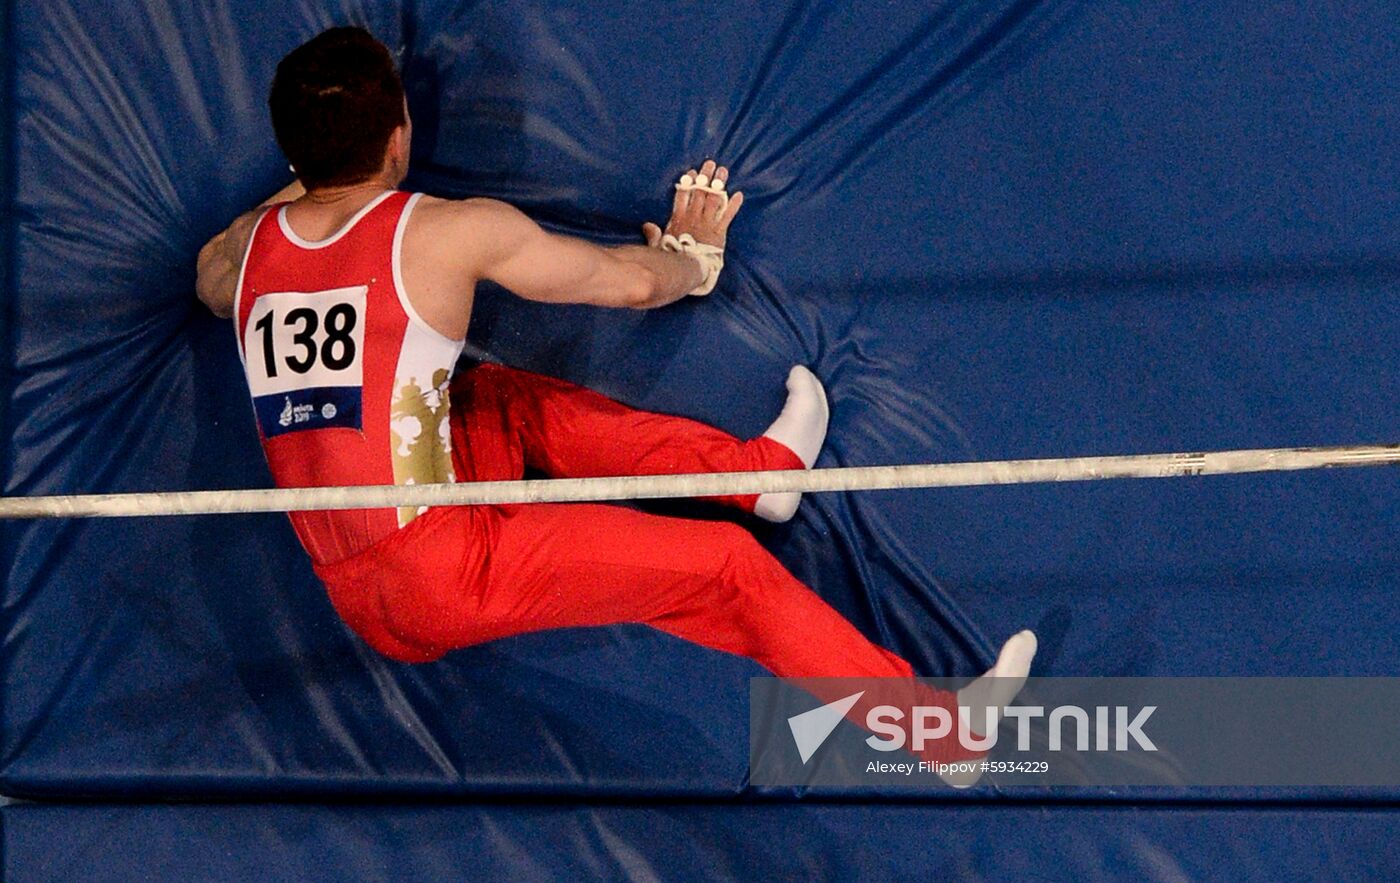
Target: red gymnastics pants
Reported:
[(458, 576)]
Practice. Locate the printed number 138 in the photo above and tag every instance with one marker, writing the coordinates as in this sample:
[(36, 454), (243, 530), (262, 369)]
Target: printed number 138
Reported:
[(336, 350)]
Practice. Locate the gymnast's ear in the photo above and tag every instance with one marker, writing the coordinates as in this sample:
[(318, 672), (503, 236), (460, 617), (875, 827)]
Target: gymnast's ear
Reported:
[(398, 151)]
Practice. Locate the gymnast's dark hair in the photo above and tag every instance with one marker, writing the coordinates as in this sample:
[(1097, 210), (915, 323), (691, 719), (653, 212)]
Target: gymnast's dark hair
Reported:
[(335, 101)]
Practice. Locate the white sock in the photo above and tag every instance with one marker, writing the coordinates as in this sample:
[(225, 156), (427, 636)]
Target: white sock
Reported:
[(995, 690), (801, 428)]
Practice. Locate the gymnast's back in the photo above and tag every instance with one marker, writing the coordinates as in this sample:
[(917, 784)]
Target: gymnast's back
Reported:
[(349, 383)]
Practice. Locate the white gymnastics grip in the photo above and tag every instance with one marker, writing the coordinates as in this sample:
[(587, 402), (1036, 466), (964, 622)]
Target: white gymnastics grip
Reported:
[(703, 182), (711, 258)]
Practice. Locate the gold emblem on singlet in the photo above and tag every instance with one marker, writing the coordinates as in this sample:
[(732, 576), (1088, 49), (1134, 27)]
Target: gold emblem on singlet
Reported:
[(422, 445)]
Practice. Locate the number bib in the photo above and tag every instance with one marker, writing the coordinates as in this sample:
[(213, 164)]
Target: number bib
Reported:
[(304, 354)]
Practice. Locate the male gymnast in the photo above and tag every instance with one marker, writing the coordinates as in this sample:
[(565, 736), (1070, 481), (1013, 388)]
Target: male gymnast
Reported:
[(351, 302)]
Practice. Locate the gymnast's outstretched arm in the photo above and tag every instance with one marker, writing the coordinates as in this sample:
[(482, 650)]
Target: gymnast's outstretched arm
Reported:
[(487, 239)]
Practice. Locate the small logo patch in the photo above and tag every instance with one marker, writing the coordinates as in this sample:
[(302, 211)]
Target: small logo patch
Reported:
[(335, 407)]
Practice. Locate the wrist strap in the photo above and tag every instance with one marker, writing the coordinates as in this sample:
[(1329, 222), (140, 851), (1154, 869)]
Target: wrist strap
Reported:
[(711, 258)]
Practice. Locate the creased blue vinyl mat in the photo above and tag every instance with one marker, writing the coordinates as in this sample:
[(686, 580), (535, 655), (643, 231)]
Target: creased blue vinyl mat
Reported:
[(994, 229), (691, 842)]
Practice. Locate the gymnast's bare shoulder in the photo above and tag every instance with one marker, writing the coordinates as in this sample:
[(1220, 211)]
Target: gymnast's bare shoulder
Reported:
[(221, 259)]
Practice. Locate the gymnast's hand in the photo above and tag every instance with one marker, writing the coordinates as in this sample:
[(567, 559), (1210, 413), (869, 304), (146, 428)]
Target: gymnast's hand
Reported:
[(699, 224), (702, 208)]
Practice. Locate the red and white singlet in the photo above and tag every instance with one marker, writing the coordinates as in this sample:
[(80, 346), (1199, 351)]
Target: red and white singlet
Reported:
[(349, 384)]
